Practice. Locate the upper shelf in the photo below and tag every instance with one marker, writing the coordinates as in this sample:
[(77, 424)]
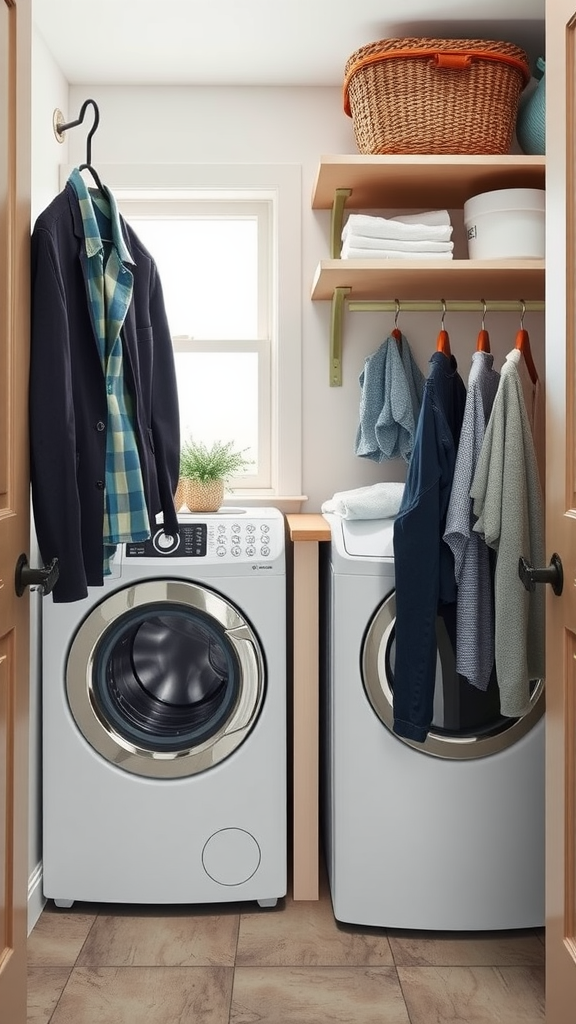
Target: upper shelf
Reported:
[(417, 182), (443, 181), (429, 279)]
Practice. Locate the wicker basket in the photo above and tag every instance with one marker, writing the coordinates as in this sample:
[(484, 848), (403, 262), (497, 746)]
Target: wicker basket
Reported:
[(419, 95)]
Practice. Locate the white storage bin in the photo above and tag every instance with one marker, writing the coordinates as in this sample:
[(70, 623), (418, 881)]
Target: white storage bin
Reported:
[(506, 224)]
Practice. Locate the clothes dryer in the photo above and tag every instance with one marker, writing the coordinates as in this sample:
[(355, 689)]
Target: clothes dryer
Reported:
[(448, 834), (164, 721)]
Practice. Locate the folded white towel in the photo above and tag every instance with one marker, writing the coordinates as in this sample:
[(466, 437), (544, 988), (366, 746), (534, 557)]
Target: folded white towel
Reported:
[(352, 253), (381, 227), (429, 217), (408, 245), (377, 501)]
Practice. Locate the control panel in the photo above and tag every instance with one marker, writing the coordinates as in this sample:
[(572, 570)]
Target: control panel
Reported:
[(222, 539)]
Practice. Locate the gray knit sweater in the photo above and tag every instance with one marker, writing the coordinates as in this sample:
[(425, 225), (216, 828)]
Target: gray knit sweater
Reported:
[(472, 569), (507, 500)]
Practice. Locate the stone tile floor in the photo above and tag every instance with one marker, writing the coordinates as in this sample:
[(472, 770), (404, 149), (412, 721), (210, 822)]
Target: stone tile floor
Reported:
[(294, 964)]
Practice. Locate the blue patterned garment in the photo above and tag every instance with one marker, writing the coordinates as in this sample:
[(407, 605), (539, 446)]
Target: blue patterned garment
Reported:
[(110, 284), (392, 386)]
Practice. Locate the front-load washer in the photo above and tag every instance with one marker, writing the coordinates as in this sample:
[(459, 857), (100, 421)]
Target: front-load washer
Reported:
[(164, 721), (446, 834)]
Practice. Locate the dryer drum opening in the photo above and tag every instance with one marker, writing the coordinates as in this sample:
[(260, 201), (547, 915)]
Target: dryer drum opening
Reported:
[(467, 723)]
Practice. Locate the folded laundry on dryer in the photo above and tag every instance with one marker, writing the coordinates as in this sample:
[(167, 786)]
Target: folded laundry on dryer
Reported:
[(376, 501)]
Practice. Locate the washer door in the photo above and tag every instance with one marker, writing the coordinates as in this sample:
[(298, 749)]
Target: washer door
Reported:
[(165, 678), (467, 722)]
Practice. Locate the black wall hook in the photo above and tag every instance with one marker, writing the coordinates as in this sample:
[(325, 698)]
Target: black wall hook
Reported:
[(63, 127)]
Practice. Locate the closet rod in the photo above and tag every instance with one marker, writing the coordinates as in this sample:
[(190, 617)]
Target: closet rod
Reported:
[(433, 306), (340, 301)]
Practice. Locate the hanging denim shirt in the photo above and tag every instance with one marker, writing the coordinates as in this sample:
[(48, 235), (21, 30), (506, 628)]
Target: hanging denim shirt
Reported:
[(424, 563), (110, 293)]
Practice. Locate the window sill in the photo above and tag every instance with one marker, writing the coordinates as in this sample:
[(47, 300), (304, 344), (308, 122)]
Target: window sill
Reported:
[(285, 503)]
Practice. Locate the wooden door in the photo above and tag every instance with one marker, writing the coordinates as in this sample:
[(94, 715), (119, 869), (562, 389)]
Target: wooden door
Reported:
[(561, 511), (15, 36)]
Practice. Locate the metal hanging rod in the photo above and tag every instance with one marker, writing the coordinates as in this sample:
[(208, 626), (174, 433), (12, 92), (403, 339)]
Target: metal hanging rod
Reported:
[(434, 306), (340, 301)]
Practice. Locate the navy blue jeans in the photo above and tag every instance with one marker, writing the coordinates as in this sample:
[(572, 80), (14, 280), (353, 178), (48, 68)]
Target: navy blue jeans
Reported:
[(424, 563)]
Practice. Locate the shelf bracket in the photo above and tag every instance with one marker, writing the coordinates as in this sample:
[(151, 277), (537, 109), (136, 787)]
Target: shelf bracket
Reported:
[(336, 318), (337, 221)]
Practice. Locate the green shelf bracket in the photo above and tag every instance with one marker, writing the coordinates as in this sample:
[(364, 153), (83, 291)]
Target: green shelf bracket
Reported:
[(337, 219), (336, 318)]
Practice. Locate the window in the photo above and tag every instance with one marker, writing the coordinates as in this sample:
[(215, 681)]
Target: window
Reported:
[(215, 263), (227, 242)]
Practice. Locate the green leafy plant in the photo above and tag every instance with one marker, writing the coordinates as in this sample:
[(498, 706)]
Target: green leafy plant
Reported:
[(218, 461)]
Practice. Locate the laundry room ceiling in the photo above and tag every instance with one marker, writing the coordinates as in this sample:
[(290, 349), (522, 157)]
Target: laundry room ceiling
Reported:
[(256, 42)]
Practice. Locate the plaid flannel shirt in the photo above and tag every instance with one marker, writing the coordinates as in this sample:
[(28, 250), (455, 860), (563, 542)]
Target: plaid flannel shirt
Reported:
[(110, 283)]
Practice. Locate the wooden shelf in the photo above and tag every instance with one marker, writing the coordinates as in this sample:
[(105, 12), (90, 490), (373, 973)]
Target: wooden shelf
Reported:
[(417, 182), (430, 279), (391, 182)]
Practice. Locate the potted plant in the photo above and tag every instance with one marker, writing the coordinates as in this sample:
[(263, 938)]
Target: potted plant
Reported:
[(204, 470)]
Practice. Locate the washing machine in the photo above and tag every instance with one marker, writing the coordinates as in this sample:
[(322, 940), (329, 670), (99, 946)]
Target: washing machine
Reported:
[(164, 721), (447, 834)]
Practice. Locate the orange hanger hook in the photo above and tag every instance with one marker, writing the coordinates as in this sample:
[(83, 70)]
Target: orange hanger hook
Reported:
[(483, 343), (523, 344), (443, 341), (397, 333)]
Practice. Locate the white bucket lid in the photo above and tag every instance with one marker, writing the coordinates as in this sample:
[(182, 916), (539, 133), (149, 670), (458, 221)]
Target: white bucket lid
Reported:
[(504, 200)]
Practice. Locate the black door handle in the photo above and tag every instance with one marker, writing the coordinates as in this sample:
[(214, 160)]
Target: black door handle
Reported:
[(552, 574), (45, 578)]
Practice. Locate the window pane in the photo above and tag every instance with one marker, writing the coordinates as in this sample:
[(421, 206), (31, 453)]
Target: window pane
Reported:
[(209, 272), (218, 396)]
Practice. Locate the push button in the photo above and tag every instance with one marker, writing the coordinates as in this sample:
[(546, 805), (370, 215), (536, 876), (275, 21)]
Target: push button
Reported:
[(100, 485), (100, 425)]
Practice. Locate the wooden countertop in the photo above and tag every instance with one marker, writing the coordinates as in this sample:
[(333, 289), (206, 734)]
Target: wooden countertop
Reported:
[(307, 526)]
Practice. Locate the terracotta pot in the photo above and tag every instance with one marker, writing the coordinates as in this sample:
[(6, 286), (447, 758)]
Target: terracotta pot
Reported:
[(199, 497)]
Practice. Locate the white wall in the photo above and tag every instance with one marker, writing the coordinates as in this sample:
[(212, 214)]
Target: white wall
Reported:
[(287, 125)]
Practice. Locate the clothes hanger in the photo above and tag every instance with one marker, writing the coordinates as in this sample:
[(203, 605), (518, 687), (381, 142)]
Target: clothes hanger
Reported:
[(443, 341), (483, 343), (523, 344), (87, 166), (397, 333)]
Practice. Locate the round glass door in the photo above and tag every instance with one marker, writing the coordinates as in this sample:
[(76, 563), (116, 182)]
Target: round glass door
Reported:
[(165, 678), (467, 722)]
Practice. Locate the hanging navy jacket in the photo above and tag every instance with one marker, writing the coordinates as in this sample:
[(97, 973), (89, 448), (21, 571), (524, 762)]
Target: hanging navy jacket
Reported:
[(424, 564), (67, 400)]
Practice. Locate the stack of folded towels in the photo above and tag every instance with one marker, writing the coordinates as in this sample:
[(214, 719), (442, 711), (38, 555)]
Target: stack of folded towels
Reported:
[(413, 236)]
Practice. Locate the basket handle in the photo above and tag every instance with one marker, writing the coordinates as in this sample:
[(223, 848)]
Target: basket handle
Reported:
[(457, 60)]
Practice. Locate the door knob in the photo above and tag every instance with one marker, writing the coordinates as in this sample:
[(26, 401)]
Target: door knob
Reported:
[(44, 578), (552, 574)]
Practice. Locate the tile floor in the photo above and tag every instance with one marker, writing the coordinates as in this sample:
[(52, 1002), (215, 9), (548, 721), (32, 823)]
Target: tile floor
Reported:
[(237, 964)]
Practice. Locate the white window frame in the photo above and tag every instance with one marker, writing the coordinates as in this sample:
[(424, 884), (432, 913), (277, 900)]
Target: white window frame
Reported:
[(280, 184)]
